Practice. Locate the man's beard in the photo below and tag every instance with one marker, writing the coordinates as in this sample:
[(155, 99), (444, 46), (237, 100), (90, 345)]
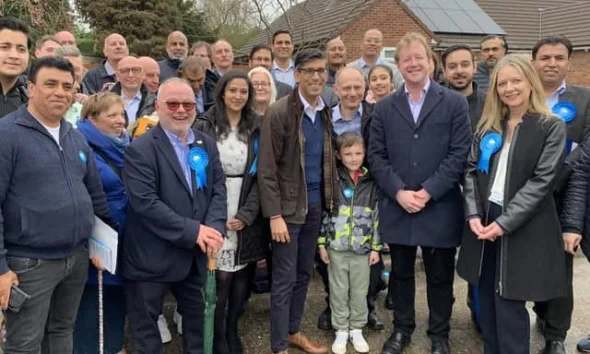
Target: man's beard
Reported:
[(177, 56), (460, 88)]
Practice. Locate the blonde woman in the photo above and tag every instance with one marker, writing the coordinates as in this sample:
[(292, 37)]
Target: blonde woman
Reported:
[(265, 89), (513, 250)]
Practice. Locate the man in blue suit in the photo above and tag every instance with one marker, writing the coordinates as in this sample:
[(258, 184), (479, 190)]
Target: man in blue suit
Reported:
[(420, 139), (177, 216)]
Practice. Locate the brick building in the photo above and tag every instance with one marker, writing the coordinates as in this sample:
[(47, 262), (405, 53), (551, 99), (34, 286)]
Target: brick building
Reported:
[(444, 22)]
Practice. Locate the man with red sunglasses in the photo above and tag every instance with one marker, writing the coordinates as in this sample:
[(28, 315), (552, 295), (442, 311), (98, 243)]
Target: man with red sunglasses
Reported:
[(177, 217)]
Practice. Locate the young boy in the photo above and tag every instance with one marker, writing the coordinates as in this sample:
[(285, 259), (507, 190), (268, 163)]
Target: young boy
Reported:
[(350, 244)]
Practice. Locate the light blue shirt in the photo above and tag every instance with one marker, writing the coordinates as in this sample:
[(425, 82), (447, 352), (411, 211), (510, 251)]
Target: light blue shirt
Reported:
[(109, 68), (362, 65), (342, 125), (416, 105), (132, 106), (554, 97), (200, 102), (286, 76), (182, 149)]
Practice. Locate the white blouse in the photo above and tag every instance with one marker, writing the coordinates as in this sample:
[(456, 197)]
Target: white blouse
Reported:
[(497, 192)]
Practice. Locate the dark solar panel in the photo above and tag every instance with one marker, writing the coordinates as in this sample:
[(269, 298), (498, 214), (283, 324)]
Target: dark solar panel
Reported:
[(453, 16)]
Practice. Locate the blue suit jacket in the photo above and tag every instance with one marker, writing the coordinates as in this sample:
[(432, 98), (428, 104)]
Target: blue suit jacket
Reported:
[(430, 154), (164, 216)]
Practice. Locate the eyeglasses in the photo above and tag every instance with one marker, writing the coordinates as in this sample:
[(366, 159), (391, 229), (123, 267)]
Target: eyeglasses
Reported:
[(126, 71), (260, 84), (311, 71), (174, 106)]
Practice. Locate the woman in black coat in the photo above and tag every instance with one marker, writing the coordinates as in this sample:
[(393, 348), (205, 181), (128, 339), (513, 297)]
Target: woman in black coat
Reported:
[(513, 249), (233, 123)]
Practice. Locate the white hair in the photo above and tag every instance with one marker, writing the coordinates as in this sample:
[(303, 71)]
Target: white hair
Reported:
[(273, 87)]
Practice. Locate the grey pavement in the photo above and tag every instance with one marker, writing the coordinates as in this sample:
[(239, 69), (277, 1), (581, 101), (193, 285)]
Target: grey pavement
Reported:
[(255, 328)]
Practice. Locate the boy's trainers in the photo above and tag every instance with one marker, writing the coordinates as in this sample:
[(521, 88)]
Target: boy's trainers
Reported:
[(358, 341), (165, 334), (339, 345)]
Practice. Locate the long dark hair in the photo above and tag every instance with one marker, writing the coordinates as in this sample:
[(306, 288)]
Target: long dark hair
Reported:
[(246, 124)]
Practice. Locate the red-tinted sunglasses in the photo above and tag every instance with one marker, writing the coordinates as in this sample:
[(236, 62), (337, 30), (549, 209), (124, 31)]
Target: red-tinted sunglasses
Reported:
[(187, 106)]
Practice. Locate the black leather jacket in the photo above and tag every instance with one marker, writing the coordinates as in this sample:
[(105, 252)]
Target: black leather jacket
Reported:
[(574, 215), (529, 216)]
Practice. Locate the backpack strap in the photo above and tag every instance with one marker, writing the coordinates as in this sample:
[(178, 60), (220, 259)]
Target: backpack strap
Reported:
[(110, 162)]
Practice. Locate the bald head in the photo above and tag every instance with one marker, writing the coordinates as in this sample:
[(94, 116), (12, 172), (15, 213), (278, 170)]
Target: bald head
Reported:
[(151, 73), (372, 44), (177, 45), (65, 38), (130, 74), (336, 53), (350, 87), (115, 48)]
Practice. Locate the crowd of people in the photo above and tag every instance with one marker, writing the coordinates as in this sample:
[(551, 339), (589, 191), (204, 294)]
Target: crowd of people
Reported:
[(306, 159)]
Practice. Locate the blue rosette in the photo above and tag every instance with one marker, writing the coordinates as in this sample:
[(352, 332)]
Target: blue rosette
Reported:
[(198, 161), (254, 166), (567, 112), (490, 144), (348, 193)]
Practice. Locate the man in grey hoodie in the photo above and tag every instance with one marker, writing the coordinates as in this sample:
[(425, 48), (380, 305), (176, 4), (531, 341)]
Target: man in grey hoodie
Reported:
[(50, 191), (493, 48)]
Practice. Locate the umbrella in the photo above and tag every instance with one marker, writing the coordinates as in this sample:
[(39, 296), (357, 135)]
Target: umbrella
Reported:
[(100, 315), (210, 300)]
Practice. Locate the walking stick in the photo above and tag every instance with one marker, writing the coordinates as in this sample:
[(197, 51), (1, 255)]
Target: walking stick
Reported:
[(100, 316)]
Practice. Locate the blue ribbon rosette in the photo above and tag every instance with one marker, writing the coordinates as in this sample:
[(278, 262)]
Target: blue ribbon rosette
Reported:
[(254, 166), (348, 193), (490, 144), (198, 161), (567, 112)]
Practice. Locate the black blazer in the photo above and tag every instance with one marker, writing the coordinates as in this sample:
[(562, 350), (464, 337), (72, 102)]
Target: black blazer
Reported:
[(431, 154), (164, 216)]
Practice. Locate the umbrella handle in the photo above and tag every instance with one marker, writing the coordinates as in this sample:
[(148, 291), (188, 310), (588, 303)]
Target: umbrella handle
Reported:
[(100, 315), (211, 264)]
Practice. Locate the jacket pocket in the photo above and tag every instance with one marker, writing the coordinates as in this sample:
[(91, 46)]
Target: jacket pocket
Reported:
[(21, 265), (289, 191), (52, 228)]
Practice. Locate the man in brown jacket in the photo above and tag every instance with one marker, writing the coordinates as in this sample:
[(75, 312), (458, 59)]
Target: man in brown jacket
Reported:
[(296, 177)]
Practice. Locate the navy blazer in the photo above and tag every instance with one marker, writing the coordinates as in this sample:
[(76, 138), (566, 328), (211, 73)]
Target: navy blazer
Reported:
[(430, 154), (164, 217)]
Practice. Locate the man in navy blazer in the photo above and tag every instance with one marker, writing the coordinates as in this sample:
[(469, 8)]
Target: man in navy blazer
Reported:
[(176, 217), (420, 139)]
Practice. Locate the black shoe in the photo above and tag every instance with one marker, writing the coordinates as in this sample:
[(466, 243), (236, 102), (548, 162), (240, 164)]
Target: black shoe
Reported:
[(389, 302), (374, 322), (396, 343), (584, 345), (440, 347), (554, 347), (325, 320)]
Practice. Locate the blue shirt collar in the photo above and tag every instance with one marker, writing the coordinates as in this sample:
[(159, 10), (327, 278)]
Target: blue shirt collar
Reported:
[(337, 115), (364, 64), (561, 89), (190, 139), (276, 67), (109, 68), (424, 90)]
